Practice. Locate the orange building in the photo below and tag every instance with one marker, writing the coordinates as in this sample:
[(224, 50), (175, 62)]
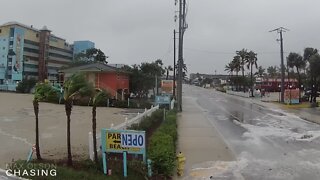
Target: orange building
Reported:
[(114, 80)]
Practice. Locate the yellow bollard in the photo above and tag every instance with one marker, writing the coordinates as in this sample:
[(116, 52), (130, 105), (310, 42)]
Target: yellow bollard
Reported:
[(181, 162)]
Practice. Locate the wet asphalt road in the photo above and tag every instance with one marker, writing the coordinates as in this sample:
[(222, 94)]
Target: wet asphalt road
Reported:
[(269, 143)]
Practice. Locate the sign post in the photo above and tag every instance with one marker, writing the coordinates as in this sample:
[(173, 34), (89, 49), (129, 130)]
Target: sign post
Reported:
[(125, 173), (122, 141)]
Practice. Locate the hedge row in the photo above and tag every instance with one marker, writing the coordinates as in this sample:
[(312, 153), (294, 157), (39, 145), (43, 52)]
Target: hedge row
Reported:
[(162, 146), (26, 85)]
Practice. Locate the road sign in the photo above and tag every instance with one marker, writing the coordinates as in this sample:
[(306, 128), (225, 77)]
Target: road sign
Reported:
[(113, 143), (122, 141), (167, 86), (162, 100)]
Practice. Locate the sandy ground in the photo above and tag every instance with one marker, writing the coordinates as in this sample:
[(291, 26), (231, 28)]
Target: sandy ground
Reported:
[(17, 127)]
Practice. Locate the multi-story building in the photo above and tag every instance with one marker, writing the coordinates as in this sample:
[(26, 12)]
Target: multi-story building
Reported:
[(82, 46), (27, 52)]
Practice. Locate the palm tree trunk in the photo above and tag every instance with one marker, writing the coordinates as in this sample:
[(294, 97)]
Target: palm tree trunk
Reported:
[(251, 82), (36, 113), (94, 133), (167, 74), (243, 82), (299, 83), (68, 109)]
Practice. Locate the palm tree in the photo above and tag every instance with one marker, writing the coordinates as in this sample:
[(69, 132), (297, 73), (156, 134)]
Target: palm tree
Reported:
[(272, 71), (236, 64), (252, 60), (296, 60), (308, 53), (261, 71), (99, 97), (243, 55), (169, 68), (314, 62), (74, 86), (36, 113), (229, 68)]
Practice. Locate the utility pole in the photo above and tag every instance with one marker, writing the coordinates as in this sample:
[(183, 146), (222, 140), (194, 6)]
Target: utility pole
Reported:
[(174, 63), (182, 27), (280, 30)]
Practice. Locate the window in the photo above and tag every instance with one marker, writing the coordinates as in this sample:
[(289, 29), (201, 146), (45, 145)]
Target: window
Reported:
[(37, 35), (31, 42), (31, 50), (0, 30)]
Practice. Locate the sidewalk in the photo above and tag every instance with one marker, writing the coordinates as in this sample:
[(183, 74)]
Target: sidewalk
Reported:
[(198, 140)]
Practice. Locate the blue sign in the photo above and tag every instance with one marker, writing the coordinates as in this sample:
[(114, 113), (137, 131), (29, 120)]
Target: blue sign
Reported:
[(122, 141), (133, 140), (162, 100)]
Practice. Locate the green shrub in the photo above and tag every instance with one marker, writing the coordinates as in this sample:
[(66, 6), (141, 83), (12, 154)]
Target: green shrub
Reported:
[(132, 104), (53, 96), (162, 153), (169, 126), (144, 104), (149, 121), (82, 101), (157, 115), (103, 98), (42, 91), (121, 104), (26, 85), (163, 144)]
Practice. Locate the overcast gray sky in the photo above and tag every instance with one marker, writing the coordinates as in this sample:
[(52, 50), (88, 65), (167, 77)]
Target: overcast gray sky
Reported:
[(133, 31)]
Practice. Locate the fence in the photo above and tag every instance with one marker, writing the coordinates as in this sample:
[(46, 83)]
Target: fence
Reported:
[(122, 126)]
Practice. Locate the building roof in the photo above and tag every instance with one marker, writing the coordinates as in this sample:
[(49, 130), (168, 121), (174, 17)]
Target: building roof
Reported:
[(117, 65), (15, 23), (92, 67)]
